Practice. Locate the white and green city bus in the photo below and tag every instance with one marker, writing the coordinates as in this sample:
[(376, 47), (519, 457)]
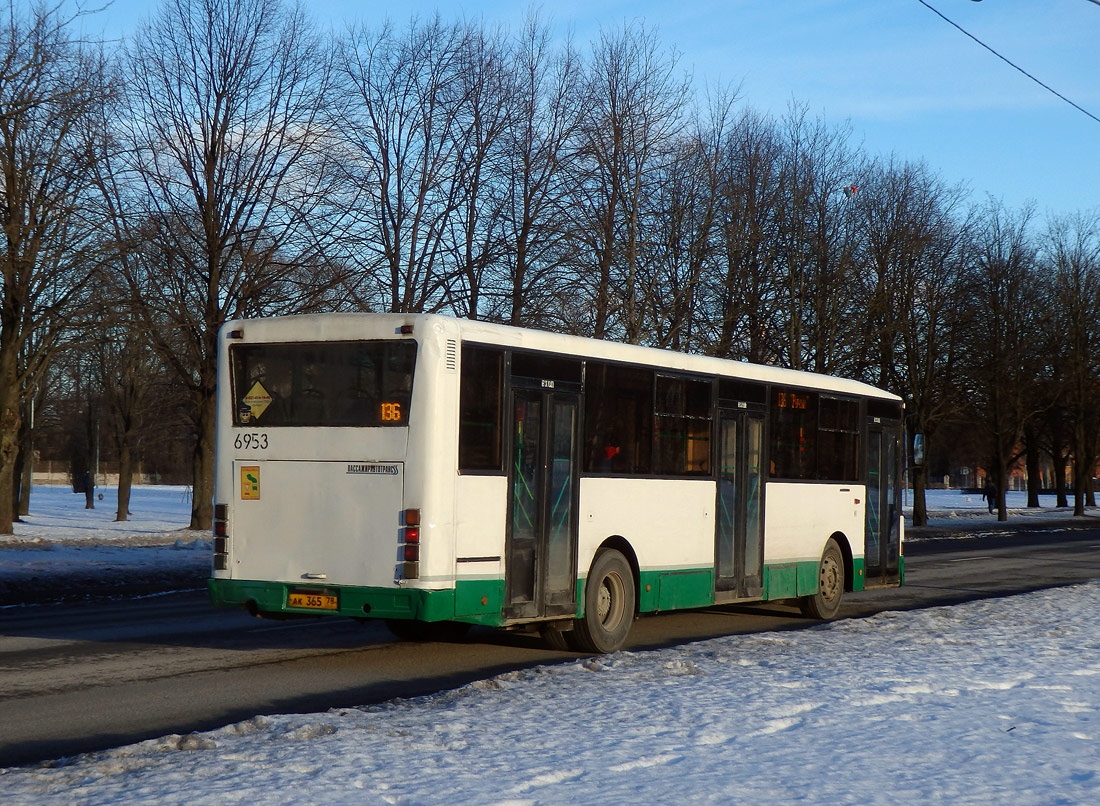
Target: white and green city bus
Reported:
[(438, 472)]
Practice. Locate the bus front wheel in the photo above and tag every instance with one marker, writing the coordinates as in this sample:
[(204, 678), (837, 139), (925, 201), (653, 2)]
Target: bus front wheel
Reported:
[(825, 604), (609, 600)]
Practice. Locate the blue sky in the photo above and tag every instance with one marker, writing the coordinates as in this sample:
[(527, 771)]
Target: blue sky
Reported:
[(908, 82)]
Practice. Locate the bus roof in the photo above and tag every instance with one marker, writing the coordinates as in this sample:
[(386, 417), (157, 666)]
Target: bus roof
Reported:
[(348, 326)]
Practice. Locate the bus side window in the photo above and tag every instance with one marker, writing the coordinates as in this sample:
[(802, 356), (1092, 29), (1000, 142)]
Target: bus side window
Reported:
[(793, 433), (838, 439), (479, 409), (618, 419), (682, 424)]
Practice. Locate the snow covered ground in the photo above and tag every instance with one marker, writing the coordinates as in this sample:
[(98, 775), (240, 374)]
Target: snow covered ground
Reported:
[(63, 547), (954, 508), (991, 702), (158, 516)]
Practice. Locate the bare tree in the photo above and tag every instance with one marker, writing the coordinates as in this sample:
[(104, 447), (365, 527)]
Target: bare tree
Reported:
[(1004, 313), (815, 233), (682, 243), (227, 149), (548, 103), (636, 105), (51, 84), (126, 368), (476, 239), (742, 294), (1071, 256), (403, 98), (915, 249)]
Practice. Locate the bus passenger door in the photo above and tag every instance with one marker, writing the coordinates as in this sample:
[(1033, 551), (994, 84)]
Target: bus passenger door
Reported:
[(540, 566), (882, 539), (739, 521)]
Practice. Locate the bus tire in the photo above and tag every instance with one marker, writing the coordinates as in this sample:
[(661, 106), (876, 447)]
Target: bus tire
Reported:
[(411, 630), (609, 601), (556, 639), (825, 604)]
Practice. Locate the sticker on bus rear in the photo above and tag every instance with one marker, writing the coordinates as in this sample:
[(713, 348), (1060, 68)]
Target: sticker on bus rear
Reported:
[(375, 468), (256, 401), (250, 483)]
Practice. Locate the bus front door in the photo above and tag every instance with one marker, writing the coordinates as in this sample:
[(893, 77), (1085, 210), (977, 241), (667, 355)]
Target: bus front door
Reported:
[(540, 567), (739, 530), (882, 538)]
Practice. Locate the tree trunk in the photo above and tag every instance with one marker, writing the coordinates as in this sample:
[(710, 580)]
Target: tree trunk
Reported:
[(17, 481), (24, 464), (7, 479), (202, 468), (1078, 489), (1082, 472), (1087, 466), (1031, 460), (10, 420), (26, 467), (89, 489), (920, 484), (1002, 489), (125, 480), (1059, 463)]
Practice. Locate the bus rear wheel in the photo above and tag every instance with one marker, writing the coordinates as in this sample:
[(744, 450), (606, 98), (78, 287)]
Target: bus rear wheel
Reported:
[(825, 604), (609, 601)]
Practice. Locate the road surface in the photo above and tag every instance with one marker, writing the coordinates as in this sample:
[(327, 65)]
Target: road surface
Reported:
[(82, 677)]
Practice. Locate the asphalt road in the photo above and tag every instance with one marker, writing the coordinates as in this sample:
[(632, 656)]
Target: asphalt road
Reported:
[(89, 676)]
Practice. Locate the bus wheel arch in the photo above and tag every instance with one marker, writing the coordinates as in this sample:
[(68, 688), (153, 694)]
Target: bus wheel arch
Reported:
[(622, 545), (849, 562), (833, 580), (610, 599)]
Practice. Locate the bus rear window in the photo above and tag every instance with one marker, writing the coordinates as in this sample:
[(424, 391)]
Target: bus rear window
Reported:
[(343, 383)]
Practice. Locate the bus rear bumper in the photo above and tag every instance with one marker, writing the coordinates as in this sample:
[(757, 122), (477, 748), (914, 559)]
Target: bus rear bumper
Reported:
[(272, 599)]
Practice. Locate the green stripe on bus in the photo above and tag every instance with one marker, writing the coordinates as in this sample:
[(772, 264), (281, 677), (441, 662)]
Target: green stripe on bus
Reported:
[(476, 601), (675, 589), (355, 602), (481, 601), (790, 580)]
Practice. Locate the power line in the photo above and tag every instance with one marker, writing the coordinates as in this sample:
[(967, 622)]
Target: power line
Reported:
[(1012, 64)]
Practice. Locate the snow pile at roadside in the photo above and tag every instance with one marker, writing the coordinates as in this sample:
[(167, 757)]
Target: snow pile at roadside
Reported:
[(996, 701)]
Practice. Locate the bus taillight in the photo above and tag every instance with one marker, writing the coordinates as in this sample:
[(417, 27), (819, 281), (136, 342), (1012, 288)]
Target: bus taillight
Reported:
[(221, 537), (410, 537)]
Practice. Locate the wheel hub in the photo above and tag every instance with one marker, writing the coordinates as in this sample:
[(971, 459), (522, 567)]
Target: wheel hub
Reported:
[(830, 578), (609, 603)]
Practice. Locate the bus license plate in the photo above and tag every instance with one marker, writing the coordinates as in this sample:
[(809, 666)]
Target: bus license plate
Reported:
[(313, 601)]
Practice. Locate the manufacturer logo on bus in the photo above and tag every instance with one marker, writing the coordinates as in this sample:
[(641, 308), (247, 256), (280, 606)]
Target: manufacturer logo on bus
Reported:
[(375, 469)]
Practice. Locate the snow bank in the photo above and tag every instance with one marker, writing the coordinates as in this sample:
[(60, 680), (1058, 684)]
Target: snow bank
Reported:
[(995, 701)]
